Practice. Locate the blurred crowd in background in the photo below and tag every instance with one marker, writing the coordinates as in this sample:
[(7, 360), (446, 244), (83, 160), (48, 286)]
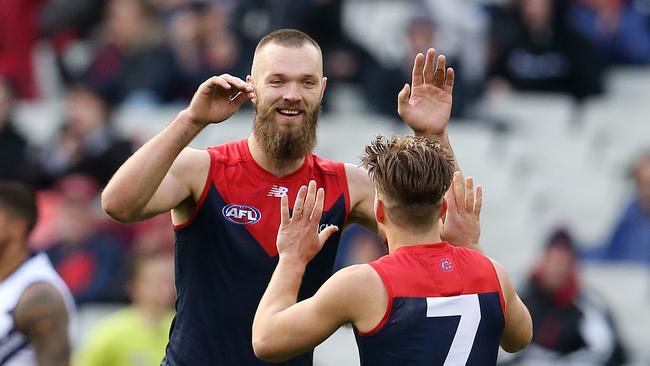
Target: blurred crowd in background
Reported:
[(146, 53), (158, 51)]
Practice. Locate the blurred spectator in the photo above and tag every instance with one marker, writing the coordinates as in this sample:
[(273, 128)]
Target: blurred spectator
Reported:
[(137, 334), (184, 25), (135, 65), (37, 314), (78, 16), (13, 147), (618, 31), (203, 44), (539, 52), (222, 49), (461, 33), (344, 59), (88, 259), (570, 324), (86, 144), (422, 33), (169, 5), (66, 24), (630, 240), (18, 35)]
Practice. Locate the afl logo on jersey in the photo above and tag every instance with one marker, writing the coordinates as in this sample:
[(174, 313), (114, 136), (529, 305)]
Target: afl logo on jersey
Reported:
[(241, 214)]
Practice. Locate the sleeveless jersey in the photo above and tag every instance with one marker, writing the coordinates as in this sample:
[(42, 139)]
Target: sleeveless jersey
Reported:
[(226, 254), (445, 307), (14, 347)]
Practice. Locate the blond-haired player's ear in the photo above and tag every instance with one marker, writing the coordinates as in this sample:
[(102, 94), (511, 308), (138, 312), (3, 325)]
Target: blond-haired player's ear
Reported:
[(380, 211), (443, 209), (249, 79), (322, 92)]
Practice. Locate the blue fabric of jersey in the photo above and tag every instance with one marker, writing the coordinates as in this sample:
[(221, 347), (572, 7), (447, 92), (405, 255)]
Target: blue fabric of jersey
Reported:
[(410, 338)]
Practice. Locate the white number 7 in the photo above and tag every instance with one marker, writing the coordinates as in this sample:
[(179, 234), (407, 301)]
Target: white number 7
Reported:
[(469, 309)]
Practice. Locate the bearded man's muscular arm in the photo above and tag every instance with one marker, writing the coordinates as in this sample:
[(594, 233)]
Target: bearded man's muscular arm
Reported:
[(163, 174)]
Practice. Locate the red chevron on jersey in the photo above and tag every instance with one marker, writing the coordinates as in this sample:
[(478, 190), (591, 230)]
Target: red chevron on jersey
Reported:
[(252, 194)]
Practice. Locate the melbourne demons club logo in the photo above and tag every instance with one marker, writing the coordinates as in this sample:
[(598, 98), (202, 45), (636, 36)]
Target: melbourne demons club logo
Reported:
[(241, 214), (446, 265)]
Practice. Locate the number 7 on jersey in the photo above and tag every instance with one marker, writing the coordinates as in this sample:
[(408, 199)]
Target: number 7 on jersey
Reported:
[(469, 309)]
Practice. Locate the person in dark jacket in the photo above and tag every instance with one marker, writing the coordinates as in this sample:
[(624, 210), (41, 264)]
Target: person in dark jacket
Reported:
[(570, 323), (542, 54)]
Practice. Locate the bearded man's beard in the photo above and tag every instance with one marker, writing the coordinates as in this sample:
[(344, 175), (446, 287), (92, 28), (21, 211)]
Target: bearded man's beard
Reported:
[(281, 145)]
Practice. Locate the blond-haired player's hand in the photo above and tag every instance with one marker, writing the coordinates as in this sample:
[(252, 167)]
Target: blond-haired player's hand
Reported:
[(218, 98), (462, 225), (298, 236), (425, 105)]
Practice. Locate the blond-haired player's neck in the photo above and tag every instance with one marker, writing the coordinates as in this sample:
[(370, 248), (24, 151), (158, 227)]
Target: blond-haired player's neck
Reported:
[(397, 234)]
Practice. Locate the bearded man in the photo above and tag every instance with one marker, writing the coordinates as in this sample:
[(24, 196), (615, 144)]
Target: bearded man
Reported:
[(225, 200)]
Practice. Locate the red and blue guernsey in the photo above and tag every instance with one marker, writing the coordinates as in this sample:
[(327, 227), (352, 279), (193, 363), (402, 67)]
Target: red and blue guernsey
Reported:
[(226, 254), (445, 307)]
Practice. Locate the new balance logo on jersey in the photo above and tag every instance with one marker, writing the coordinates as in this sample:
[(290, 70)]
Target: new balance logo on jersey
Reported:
[(240, 214), (277, 191)]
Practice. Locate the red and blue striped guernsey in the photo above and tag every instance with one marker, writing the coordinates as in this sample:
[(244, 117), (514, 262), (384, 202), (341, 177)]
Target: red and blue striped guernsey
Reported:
[(226, 254), (445, 307)]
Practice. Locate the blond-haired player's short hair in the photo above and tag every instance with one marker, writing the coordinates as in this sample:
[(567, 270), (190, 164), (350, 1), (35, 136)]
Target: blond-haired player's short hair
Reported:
[(411, 174), (287, 38)]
